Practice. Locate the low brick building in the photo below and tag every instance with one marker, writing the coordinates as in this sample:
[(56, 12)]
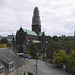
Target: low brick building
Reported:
[(10, 63)]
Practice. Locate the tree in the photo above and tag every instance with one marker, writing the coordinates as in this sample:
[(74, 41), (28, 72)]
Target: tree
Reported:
[(55, 38), (71, 62), (69, 45), (33, 50), (51, 48), (60, 57), (3, 45), (4, 41)]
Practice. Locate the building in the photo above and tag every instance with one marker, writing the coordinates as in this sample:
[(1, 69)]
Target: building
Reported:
[(24, 36), (10, 38), (2, 37), (11, 41), (10, 63)]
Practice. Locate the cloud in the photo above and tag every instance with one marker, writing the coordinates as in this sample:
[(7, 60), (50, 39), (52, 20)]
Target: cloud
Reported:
[(57, 16)]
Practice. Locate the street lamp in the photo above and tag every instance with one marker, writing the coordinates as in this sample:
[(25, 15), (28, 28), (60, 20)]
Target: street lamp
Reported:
[(37, 63)]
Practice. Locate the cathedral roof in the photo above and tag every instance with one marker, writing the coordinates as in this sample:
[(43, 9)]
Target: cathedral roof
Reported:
[(40, 33), (36, 41), (30, 32)]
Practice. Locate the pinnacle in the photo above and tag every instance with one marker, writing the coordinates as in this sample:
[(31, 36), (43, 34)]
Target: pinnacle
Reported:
[(36, 8)]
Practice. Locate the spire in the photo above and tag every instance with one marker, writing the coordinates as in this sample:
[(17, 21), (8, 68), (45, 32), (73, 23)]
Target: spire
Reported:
[(36, 11), (36, 17), (36, 23)]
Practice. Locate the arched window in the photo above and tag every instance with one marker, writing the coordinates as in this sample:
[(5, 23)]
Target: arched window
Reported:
[(20, 49)]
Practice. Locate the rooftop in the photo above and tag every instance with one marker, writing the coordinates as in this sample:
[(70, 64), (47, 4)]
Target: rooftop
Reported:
[(40, 33), (7, 56), (30, 32), (36, 41)]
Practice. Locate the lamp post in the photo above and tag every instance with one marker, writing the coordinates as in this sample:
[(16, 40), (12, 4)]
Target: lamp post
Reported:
[(37, 63), (36, 66)]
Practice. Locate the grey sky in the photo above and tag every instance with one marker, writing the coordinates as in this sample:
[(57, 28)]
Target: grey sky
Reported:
[(57, 16)]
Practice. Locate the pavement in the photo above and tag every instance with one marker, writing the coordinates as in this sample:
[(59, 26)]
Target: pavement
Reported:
[(31, 68), (44, 68)]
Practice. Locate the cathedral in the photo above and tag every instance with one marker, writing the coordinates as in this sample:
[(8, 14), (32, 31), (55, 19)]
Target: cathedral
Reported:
[(24, 37)]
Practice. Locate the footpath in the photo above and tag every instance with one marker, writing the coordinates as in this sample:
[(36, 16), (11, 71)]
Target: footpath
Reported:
[(34, 69)]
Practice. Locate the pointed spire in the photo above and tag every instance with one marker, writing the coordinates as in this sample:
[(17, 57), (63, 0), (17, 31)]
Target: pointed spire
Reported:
[(36, 11), (36, 17), (21, 27), (36, 7), (36, 23)]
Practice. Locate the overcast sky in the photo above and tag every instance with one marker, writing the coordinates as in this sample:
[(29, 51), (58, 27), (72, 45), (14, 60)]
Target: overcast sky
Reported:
[(57, 16)]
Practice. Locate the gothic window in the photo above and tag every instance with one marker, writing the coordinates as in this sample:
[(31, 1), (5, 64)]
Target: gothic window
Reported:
[(20, 49)]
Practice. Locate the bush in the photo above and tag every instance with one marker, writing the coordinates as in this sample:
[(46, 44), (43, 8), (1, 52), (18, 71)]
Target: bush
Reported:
[(3, 45)]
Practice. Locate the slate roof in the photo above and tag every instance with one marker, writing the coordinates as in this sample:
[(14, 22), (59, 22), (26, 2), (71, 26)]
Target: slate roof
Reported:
[(30, 32), (7, 55), (36, 41), (1, 64), (5, 59)]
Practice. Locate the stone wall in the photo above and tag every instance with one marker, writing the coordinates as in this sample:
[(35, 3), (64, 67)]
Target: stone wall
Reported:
[(19, 71)]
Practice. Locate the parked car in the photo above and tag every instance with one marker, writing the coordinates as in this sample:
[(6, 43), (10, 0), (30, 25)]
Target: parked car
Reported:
[(20, 54), (24, 56), (29, 57)]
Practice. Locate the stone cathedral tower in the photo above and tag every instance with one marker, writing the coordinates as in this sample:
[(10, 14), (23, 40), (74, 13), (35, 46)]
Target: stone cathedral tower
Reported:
[(25, 37), (36, 23)]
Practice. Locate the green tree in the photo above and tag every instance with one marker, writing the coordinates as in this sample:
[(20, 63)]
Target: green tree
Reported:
[(55, 38), (71, 62), (60, 57), (52, 47), (4, 41), (33, 50), (68, 45), (3, 45)]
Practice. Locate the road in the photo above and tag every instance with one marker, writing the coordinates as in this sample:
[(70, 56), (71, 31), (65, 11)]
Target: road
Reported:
[(31, 68), (47, 68)]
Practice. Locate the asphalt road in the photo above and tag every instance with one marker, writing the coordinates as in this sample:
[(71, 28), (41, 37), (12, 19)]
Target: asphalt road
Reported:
[(47, 68), (31, 68)]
